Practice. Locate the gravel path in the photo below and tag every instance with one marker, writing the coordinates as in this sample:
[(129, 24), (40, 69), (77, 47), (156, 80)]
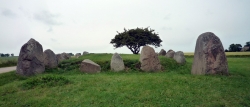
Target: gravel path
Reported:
[(7, 69)]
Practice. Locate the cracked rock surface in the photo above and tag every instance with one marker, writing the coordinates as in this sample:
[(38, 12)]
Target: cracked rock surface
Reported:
[(149, 60), (30, 60), (209, 56)]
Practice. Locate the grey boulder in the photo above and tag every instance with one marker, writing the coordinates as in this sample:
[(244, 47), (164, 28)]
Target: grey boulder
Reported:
[(162, 52), (30, 60), (117, 63), (149, 60), (179, 57), (209, 56), (50, 60), (89, 66), (170, 54)]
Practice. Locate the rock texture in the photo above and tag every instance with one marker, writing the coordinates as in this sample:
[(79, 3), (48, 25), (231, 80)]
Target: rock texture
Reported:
[(179, 57), (65, 55), (149, 60), (209, 56), (170, 54), (85, 53), (162, 52), (117, 63), (50, 60), (77, 55), (30, 60), (61, 57), (89, 66)]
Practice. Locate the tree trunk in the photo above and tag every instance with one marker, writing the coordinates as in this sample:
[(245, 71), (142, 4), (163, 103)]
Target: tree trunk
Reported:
[(134, 49)]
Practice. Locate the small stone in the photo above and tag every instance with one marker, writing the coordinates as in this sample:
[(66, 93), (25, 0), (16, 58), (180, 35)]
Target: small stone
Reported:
[(89, 66), (117, 63), (179, 57)]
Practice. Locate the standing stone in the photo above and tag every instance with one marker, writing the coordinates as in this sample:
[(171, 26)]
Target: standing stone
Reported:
[(170, 54), (149, 60), (50, 60), (117, 63), (89, 66), (30, 60), (162, 52), (65, 55), (85, 53), (179, 57), (59, 58), (209, 56), (77, 55)]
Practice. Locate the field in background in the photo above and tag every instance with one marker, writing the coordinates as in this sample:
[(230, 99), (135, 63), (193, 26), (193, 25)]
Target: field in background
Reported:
[(227, 53), (8, 61), (175, 86)]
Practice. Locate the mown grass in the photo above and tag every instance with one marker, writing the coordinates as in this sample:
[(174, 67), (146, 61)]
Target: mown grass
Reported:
[(174, 86)]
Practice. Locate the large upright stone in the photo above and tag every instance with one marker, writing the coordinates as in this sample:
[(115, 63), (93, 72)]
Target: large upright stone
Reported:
[(117, 63), (149, 60), (162, 52), (179, 57), (89, 66), (209, 56), (30, 60), (50, 60)]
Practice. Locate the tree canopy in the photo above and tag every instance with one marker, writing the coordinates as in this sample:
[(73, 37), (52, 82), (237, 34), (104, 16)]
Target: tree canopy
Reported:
[(248, 44), (235, 47), (135, 38)]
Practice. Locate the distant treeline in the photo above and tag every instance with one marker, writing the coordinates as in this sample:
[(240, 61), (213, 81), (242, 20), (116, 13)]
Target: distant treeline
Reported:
[(6, 55), (238, 47)]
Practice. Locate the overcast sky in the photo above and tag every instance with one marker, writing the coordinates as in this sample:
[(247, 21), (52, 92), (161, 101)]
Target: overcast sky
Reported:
[(89, 25)]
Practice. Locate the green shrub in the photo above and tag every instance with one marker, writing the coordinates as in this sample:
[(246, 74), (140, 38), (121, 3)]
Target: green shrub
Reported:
[(45, 81)]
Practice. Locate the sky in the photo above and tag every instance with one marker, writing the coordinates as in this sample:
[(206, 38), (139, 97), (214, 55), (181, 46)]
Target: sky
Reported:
[(74, 26)]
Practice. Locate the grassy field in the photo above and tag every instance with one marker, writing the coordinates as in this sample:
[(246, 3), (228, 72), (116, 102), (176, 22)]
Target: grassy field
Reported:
[(174, 86), (8, 61), (227, 54)]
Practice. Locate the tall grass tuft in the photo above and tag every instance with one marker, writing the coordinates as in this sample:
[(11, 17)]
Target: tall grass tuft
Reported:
[(45, 81)]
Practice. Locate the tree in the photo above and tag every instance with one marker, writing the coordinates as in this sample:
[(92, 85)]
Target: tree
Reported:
[(135, 38), (6, 55), (247, 44), (235, 47), (2, 55)]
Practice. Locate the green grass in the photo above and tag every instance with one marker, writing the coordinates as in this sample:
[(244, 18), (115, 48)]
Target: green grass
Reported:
[(8, 61), (175, 86)]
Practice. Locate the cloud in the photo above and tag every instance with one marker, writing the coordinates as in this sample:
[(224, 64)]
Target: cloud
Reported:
[(167, 17), (8, 13), (50, 29), (166, 28), (53, 40), (47, 18)]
